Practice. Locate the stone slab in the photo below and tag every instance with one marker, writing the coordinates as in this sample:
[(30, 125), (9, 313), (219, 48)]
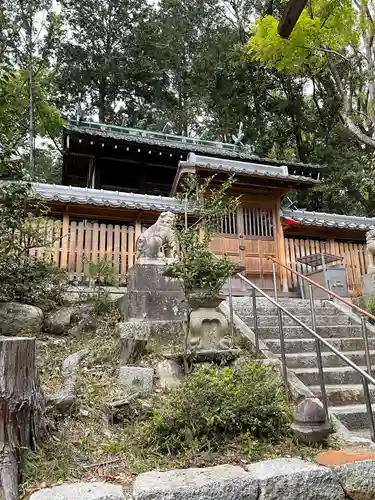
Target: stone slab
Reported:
[(80, 491), (136, 378), (295, 479), (224, 482), (358, 479)]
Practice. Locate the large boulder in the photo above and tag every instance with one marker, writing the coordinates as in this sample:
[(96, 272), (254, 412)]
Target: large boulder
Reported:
[(58, 322), (224, 482), (20, 319), (80, 491), (295, 479), (358, 479)]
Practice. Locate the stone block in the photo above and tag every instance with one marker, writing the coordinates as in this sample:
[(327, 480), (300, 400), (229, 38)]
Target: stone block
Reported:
[(150, 278), (167, 330), (136, 378), (295, 479), (224, 482), (80, 491), (156, 305), (169, 374), (133, 338), (358, 479)]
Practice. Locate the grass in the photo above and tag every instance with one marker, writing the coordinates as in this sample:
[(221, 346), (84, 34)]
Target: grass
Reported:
[(88, 445)]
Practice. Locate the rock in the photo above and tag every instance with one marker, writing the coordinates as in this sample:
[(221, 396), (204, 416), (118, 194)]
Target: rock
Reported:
[(224, 482), (358, 479), (58, 322), (19, 319), (169, 373), (80, 491), (310, 424), (136, 378), (84, 319), (133, 339), (295, 479), (82, 311)]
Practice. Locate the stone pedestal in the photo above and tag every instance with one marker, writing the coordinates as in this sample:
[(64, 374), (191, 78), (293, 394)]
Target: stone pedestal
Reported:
[(155, 299), (208, 326), (368, 284)]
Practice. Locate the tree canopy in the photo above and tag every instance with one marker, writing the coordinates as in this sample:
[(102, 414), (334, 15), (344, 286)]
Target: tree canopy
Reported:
[(203, 68)]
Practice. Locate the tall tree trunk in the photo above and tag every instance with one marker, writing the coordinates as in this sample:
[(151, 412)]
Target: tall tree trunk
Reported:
[(102, 91), (21, 408), (30, 86)]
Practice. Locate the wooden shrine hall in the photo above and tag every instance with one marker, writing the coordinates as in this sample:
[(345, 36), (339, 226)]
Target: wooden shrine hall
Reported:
[(116, 181)]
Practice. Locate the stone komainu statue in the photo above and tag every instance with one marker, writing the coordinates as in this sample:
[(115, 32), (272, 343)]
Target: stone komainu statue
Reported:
[(158, 241), (370, 241)]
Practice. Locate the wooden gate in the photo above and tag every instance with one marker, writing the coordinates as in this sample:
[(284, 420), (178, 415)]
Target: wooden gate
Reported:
[(249, 236)]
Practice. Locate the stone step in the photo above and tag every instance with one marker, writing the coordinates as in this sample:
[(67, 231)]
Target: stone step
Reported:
[(295, 332), (344, 394), (247, 310), (353, 416), (273, 320), (284, 301), (295, 345), (329, 359), (332, 375)]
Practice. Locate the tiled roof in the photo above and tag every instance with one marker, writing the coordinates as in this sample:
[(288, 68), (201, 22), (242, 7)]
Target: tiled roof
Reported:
[(100, 197), (320, 219), (176, 142), (244, 168)]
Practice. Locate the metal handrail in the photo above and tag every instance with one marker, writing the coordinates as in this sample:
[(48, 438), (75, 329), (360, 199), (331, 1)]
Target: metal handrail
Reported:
[(332, 294), (366, 377)]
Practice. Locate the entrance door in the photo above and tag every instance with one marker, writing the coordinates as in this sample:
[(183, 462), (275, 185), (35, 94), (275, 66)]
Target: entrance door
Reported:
[(257, 242), (249, 237)]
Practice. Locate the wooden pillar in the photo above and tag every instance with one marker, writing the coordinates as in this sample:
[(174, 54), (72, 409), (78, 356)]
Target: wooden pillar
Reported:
[(138, 230), (21, 408), (281, 250), (65, 241)]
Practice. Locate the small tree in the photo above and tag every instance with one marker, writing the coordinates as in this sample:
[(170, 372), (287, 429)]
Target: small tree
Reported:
[(200, 273), (23, 227)]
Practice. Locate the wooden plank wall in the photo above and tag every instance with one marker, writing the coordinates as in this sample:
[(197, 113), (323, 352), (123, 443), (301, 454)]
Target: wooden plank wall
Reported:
[(354, 257), (76, 243)]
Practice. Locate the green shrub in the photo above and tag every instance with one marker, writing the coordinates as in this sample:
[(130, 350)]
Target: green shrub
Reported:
[(31, 281), (215, 405), (371, 305)]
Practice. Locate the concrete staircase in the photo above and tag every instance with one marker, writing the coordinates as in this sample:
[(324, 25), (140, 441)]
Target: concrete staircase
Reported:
[(343, 384)]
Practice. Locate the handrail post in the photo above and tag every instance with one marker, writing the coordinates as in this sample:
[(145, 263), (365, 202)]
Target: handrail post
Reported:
[(281, 334), (318, 355), (255, 316), (370, 414), (230, 296), (365, 342)]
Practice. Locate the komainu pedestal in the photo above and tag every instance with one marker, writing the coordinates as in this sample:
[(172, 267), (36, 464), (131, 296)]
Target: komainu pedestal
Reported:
[(155, 299)]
